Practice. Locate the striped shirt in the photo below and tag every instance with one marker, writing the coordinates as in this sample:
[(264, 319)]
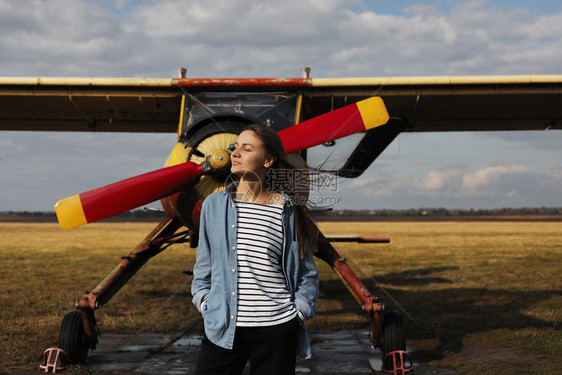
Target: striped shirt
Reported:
[(263, 297)]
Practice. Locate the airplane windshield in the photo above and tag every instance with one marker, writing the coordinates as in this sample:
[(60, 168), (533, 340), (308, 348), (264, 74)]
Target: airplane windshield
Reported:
[(274, 109)]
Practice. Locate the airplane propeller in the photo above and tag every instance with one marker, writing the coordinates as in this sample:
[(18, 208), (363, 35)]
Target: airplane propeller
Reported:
[(128, 194)]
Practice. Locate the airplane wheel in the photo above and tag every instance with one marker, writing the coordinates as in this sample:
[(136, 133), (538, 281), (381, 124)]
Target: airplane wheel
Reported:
[(392, 335), (72, 338)]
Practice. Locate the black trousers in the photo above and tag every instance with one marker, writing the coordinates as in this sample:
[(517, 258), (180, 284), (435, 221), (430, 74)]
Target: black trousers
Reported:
[(271, 350)]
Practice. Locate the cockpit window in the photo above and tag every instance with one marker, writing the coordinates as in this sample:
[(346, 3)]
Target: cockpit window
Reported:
[(276, 110)]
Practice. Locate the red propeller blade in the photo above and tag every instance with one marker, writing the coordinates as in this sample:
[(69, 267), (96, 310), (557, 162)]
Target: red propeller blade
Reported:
[(351, 119), (125, 195)]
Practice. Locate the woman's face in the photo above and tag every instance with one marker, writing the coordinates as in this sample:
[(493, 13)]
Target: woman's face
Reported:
[(249, 158)]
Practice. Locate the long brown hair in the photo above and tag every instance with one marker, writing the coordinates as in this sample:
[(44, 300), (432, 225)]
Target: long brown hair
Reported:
[(307, 229)]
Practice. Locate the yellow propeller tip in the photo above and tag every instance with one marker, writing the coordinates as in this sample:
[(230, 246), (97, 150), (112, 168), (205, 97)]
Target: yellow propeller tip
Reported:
[(373, 112), (70, 213)]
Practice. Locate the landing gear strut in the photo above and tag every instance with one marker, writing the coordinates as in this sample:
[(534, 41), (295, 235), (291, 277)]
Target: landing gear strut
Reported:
[(387, 327), (78, 332)]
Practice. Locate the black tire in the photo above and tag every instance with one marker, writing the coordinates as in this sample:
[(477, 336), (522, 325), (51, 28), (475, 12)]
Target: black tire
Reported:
[(392, 336), (73, 339)]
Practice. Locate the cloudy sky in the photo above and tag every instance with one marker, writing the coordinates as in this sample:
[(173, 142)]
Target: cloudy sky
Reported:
[(248, 38)]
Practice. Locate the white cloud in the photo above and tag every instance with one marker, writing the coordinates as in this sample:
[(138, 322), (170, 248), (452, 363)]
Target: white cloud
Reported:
[(272, 38), (487, 187), (434, 181), (247, 38), (488, 175)]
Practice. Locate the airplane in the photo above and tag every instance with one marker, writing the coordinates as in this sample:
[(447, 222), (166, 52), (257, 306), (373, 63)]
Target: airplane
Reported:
[(348, 121)]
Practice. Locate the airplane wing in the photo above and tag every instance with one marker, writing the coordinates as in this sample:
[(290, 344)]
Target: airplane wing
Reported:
[(84, 104), (415, 104), (471, 103)]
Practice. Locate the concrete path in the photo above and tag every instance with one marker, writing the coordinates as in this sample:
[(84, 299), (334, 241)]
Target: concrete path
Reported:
[(334, 352)]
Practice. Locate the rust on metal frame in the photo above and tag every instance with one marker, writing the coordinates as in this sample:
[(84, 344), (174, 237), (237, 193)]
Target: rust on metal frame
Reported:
[(161, 237), (242, 82), (129, 265), (369, 303)]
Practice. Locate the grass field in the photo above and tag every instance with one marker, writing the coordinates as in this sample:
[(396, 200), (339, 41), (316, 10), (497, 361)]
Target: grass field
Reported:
[(479, 297)]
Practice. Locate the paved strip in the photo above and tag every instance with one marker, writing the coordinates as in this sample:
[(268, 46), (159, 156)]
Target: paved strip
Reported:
[(333, 352)]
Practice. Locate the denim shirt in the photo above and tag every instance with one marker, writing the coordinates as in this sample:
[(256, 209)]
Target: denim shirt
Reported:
[(214, 285)]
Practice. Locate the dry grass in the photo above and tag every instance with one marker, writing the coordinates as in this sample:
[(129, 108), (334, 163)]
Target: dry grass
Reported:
[(45, 270), (497, 284), (465, 285)]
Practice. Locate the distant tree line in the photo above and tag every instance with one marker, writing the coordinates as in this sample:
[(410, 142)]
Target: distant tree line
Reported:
[(446, 212), (132, 215), (142, 214), (28, 213)]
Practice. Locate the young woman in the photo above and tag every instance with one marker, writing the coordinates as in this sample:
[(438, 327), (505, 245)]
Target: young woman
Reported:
[(255, 281)]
